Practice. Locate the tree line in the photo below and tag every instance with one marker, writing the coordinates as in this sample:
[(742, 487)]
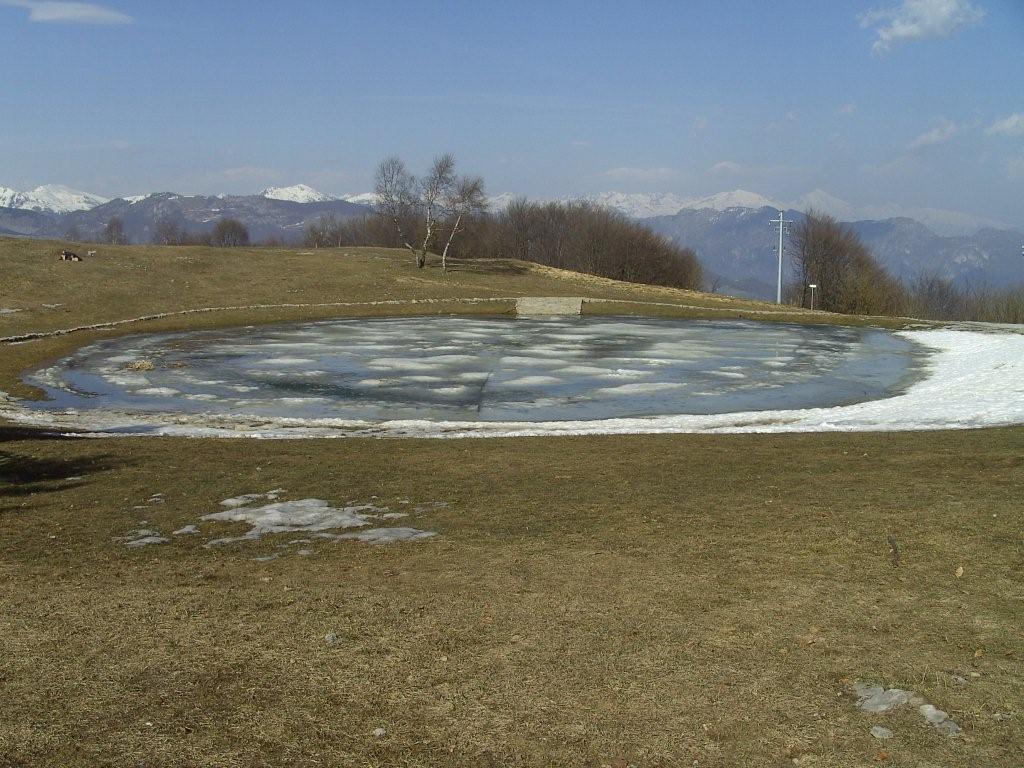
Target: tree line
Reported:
[(850, 280), (226, 233), (447, 214)]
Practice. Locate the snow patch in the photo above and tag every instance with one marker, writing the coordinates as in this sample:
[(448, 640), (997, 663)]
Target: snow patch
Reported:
[(285, 516)]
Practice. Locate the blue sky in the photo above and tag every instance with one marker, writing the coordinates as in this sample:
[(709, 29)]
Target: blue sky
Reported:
[(916, 102)]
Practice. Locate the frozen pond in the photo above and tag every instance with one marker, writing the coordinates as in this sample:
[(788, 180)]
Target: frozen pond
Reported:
[(465, 369)]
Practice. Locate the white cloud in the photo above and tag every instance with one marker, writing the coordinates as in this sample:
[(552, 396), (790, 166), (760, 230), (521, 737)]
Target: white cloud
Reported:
[(847, 109), (724, 167), (918, 20), (943, 132), (1008, 126), (69, 12), (640, 174)]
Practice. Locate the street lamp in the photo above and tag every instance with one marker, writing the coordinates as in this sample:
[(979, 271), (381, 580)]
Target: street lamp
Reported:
[(812, 286)]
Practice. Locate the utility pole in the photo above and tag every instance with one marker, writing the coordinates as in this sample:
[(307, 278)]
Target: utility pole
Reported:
[(783, 226)]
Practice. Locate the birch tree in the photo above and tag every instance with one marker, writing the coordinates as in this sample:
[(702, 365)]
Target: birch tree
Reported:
[(464, 200), (426, 203)]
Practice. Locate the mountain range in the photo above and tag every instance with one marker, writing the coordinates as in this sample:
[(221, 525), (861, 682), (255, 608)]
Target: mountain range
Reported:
[(264, 217), (738, 249), (729, 231)]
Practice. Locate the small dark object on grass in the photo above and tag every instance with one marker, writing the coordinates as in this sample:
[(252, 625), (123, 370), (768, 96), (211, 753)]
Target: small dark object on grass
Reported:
[(69, 256), (894, 552)]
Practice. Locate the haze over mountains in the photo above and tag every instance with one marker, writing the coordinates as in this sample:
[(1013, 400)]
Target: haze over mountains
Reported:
[(729, 230)]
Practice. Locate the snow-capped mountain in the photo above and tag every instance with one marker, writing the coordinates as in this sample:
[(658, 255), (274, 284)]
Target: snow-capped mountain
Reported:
[(360, 198), (55, 198), (644, 205), (647, 205), (738, 198), (297, 193), (640, 205)]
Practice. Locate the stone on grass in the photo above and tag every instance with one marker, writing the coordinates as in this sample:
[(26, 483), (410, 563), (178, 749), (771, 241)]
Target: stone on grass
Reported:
[(143, 537), (379, 733), (939, 719), (881, 732), (876, 698), (186, 531), (331, 638)]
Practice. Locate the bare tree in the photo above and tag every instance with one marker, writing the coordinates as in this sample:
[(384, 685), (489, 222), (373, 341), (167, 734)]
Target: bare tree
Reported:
[(422, 203), (849, 279), (113, 232), (396, 197), (464, 199), (167, 232), (229, 233)]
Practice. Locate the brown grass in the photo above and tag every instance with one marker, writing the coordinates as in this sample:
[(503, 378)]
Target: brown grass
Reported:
[(664, 599), (620, 600)]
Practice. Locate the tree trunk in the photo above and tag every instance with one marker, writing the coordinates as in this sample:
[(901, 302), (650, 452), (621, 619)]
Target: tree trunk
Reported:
[(444, 254), (421, 257)]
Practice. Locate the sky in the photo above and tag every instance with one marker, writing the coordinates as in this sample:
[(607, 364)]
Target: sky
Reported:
[(911, 102)]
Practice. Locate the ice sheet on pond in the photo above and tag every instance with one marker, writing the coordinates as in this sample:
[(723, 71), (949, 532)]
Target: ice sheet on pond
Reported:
[(484, 370)]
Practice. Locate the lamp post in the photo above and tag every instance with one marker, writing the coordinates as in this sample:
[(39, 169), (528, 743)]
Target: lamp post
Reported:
[(812, 286)]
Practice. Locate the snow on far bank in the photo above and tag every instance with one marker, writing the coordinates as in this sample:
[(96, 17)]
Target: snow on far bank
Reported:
[(975, 379)]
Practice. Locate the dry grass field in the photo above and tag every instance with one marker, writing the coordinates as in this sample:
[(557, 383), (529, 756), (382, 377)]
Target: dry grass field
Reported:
[(675, 600)]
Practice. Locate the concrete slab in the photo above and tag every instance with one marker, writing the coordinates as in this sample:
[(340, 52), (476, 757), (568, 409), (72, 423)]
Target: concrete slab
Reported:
[(534, 306)]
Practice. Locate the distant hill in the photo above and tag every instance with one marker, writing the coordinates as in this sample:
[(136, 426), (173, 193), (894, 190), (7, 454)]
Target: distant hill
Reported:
[(264, 217), (738, 246)]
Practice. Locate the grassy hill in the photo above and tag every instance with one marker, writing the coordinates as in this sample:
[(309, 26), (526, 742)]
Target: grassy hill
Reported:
[(620, 600)]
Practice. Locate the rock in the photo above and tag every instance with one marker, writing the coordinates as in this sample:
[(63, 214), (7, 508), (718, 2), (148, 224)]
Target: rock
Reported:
[(1000, 716), (948, 728), (881, 732), (875, 698), (959, 679), (143, 538), (379, 733), (331, 638), (186, 531), (939, 719)]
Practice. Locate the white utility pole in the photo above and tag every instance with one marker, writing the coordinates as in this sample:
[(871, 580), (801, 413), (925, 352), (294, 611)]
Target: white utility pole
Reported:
[(783, 227), (812, 286)]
